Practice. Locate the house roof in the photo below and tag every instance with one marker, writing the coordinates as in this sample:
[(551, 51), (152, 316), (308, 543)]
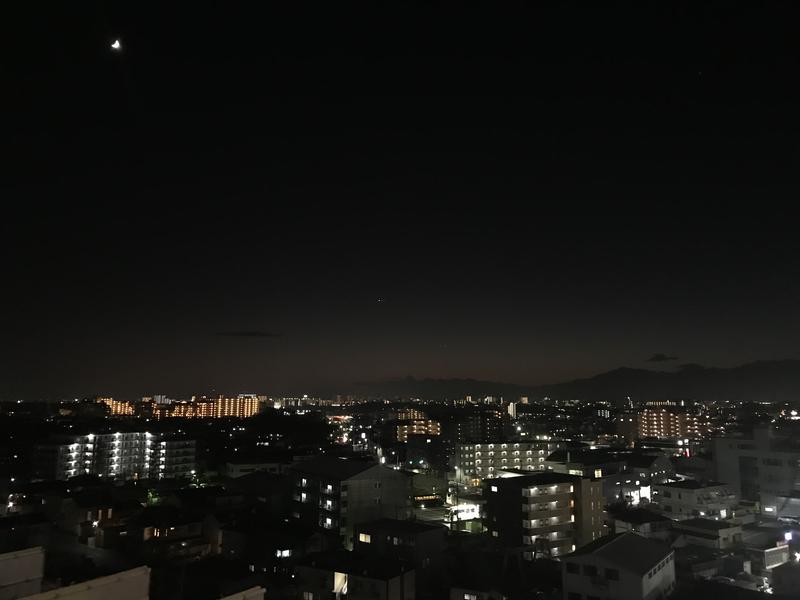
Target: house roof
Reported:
[(528, 479), (627, 551), (332, 467)]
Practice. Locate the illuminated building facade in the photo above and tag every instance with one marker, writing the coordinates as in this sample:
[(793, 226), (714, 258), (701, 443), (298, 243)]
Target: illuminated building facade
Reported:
[(242, 406), (559, 512), (416, 427), (129, 455), (476, 461), (118, 408), (662, 423)]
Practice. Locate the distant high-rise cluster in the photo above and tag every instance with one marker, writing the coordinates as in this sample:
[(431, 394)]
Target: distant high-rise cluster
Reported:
[(242, 406)]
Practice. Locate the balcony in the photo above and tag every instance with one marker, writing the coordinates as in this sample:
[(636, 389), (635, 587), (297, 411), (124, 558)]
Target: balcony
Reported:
[(545, 528), (535, 512)]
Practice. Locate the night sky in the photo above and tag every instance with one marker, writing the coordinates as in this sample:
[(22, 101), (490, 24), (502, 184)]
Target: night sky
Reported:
[(295, 200)]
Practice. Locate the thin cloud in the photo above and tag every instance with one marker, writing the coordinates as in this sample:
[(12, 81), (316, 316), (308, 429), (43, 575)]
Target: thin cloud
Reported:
[(661, 357), (249, 334)]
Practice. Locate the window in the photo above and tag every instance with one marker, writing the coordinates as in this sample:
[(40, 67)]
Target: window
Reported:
[(612, 574), (283, 553), (470, 597), (590, 570), (308, 595), (365, 538), (571, 596), (377, 485), (573, 568), (494, 488)]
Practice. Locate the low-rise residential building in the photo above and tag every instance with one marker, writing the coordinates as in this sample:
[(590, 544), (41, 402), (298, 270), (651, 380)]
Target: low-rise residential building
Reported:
[(691, 498), (545, 514), (354, 576), (623, 566), (721, 535), (415, 542)]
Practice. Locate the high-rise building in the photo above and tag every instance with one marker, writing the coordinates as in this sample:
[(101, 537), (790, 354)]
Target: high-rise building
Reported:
[(118, 408), (128, 455), (480, 426), (545, 514)]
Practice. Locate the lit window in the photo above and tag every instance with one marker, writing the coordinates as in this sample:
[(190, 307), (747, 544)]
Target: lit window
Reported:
[(494, 488), (365, 538)]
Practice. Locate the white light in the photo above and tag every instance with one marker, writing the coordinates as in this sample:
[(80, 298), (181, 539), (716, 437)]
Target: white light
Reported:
[(116, 45), (788, 536), (95, 523)]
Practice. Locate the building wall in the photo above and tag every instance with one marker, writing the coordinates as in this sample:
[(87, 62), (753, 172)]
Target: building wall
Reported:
[(756, 470), (127, 585), (680, 503), (21, 573)]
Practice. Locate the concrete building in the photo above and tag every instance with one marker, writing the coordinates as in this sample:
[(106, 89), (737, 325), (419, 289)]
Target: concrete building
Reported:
[(690, 498), (335, 575), (559, 513), (336, 494), (667, 422), (240, 407), (626, 476), (419, 544), (21, 573), (762, 467), (404, 429), (721, 535), (121, 455), (474, 462), (624, 566)]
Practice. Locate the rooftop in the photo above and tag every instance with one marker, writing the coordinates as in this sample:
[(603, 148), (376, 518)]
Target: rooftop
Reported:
[(331, 467), (627, 551), (707, 524), (690, 484), (525, 479), (357, 564), (639, 516), (400, 526)]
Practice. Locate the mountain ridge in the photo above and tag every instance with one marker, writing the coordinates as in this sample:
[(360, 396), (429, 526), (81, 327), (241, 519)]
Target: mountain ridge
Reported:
[(759, 381)]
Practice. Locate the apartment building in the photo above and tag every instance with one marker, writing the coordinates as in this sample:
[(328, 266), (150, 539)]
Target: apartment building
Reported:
[(477, 461), (667, 422), (128, 455), (404, 429), (690, 498), (546, 514), (335, 494)]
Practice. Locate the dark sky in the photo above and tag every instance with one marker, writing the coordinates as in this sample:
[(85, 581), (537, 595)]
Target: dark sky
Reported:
[(533, 191)]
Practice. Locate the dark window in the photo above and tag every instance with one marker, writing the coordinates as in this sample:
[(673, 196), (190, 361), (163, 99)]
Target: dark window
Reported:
[(574, 596), (590, 570), (573, 568), (612, 574), (592, 597)]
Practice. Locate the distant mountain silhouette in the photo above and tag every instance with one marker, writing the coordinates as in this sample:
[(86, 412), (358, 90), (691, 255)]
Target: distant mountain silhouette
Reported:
[(770, 381)]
